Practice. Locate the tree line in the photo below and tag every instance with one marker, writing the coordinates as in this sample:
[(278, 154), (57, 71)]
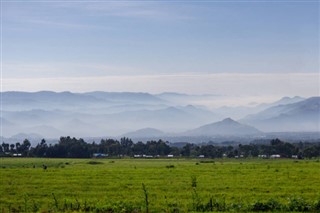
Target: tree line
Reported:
[(68, 147)]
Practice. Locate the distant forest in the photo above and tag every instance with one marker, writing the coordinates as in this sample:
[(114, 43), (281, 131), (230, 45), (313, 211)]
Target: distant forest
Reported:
[(69, 147)]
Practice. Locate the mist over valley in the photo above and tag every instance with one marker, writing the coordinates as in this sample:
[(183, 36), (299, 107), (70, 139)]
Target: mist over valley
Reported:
[(173, 116)]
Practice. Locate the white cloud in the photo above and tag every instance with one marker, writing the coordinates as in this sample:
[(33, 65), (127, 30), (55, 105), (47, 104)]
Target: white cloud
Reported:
[(65, 70), (230, 84), (57, 14), (133, 9)]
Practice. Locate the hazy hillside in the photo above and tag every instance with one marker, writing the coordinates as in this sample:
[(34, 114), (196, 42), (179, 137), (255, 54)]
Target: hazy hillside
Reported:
[(94, 114), (239, 112), (130, 97), (47, 100), (225, 127), (300, 116), (285, 100), (105, 114), (145, 133)]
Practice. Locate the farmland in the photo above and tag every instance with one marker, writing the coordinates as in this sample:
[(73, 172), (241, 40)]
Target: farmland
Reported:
[(158, 185)]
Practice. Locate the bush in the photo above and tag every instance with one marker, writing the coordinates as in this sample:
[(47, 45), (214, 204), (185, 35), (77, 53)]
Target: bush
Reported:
[(193, 181), (270, 205), (207, 161), (316, 206), (298, 204), (94, 162)]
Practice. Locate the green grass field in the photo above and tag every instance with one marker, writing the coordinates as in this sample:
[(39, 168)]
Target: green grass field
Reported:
[(171, 185)]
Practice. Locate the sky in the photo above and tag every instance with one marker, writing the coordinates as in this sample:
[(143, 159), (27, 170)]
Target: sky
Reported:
[(236, 48)]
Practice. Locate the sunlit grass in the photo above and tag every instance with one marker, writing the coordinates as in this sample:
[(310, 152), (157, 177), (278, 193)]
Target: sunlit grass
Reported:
[(102, 182)]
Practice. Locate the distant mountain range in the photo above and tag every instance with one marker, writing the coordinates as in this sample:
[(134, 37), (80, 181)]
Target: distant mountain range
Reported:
[(226, 127), (104, 114), (241, 111), (145, 133), (299, 116)]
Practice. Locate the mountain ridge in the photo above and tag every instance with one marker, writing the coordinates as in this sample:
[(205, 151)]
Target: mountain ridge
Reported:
[(80, 114), (300, 116), (227, 127)]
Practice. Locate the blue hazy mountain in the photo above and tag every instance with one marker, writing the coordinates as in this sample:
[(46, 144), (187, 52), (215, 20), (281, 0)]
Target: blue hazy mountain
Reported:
[(299, 116), (101, 114), (226, 127), (95, 113), (125, 97), (145, 133), (240, 112), (47, 100)]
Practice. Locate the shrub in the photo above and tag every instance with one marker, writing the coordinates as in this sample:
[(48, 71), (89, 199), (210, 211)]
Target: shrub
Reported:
[(316, 206), (207, 161), (193, 181), (298, 204), (270, 205), (94, 162)]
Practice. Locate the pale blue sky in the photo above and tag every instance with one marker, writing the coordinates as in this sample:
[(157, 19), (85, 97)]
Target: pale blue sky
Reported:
[(70, 41)]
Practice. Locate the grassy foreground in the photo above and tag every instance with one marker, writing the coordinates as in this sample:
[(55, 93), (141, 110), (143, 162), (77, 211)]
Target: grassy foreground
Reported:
[(158, 185)]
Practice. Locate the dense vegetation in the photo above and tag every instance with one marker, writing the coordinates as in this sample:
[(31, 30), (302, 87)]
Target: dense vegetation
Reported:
[(68, 147), (159, 185)]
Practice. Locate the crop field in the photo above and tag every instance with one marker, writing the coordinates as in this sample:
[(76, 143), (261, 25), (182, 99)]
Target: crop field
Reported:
[(159, 185)]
